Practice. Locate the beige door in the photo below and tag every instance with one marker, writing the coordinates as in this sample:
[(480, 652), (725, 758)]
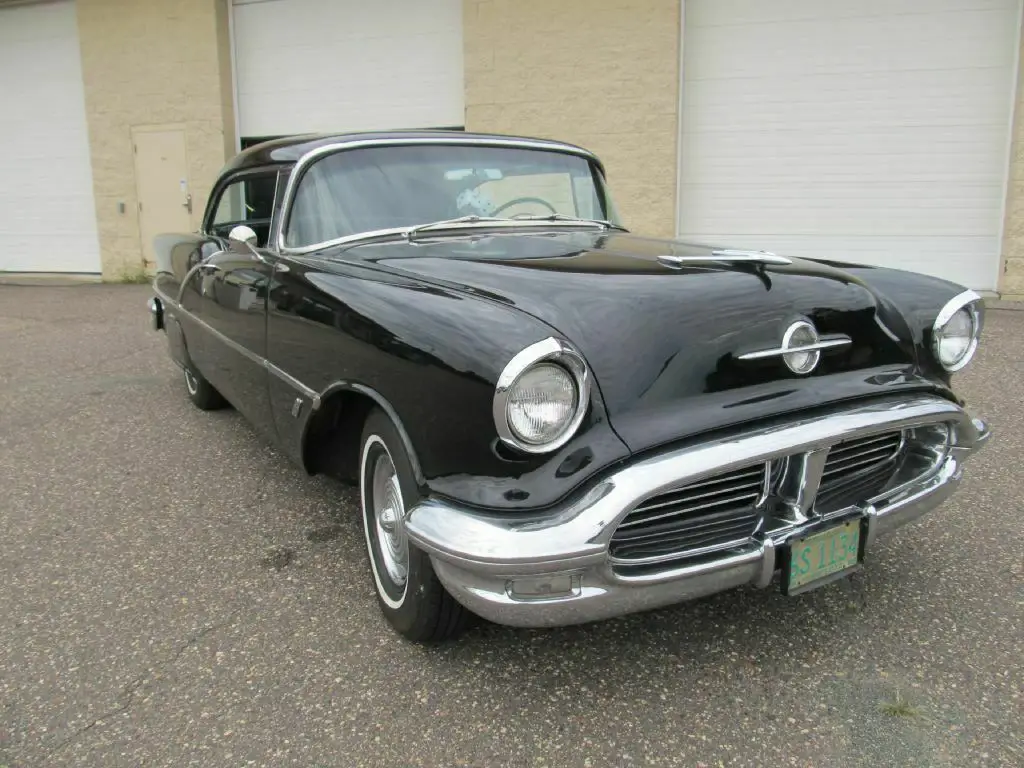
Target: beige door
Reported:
[(161, 182)]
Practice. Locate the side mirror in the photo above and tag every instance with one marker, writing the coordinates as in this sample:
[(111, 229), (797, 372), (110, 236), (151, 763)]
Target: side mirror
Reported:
[(243, 234)]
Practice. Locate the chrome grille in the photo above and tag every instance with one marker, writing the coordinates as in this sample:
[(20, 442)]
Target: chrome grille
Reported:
[(856, 470), (710, 513)]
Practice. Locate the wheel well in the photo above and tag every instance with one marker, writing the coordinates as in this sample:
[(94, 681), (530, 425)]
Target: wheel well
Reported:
[(332, 439)]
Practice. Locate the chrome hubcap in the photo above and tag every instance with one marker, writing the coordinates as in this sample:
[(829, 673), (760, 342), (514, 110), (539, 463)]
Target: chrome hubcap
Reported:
[(190, 382), (388, 515)]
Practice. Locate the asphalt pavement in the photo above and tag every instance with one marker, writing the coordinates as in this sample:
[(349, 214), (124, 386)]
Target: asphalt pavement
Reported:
[(174, 592)]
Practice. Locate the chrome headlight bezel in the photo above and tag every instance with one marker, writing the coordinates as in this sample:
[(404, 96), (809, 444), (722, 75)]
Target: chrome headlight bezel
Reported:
[(970, 302), (547, 351)]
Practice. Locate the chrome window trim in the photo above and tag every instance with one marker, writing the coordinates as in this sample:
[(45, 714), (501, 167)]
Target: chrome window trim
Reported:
[(303, 163), (966, 299), (547, 350), (213, 201)]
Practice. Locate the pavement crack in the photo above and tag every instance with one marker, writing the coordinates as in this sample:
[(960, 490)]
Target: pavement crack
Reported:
[(196, 637), (127, 695)]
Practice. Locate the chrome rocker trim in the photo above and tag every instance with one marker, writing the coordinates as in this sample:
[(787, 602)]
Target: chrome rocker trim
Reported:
[(480, 556)]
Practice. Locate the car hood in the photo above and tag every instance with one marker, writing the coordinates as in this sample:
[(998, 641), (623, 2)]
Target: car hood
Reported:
[(663, 341)]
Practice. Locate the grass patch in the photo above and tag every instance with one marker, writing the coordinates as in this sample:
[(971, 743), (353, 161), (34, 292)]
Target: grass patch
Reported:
[(133, 276), (898, 707)]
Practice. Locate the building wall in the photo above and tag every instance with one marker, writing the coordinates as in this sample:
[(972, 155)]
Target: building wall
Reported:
[(151, 63), (1011, 279), (602, 75)]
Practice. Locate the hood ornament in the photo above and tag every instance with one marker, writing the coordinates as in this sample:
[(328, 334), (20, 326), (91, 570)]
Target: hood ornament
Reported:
[(728, 255), (801, 347)]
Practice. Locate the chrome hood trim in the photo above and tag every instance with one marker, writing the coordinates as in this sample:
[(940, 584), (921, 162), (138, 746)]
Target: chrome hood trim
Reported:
[(728, 255)]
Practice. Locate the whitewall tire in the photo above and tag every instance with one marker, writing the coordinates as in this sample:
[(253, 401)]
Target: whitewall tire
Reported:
[(408, 591)]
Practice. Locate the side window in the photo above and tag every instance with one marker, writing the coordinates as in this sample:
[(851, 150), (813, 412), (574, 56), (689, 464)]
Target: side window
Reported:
[(248, 200)]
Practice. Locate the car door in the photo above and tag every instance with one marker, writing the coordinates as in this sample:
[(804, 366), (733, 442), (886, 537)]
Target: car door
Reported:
[(228, 289)]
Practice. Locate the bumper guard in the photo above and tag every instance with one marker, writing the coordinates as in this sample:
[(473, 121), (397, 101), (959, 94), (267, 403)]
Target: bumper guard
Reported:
[(553, 568)]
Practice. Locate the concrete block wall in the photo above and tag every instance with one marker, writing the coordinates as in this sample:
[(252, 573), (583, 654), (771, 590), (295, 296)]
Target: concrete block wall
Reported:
[(602, 75), (152, 63), (1011, 278)]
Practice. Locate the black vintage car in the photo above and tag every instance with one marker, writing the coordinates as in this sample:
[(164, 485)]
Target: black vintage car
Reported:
[(551, 420)]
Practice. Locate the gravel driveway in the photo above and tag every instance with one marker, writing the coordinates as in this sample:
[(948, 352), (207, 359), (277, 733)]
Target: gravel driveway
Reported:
[(173, 592)]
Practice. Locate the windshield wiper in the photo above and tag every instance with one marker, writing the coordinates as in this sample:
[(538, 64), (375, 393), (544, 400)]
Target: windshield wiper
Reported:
[(411, 233), (445, 223), (563, 217)]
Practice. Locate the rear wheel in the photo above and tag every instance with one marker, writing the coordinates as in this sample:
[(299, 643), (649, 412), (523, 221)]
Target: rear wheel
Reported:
[(410, 595), (200, 391)]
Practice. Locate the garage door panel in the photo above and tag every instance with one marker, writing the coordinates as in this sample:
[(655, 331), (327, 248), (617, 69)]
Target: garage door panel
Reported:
[(789, 164), (862, 195), (39, 218), (47, 194), (347, 65), (62, 253), (931, 144), (967, 98), (283, 24), (883, 125), (731, 12), (918, 254), (845, 218), (881, 43)]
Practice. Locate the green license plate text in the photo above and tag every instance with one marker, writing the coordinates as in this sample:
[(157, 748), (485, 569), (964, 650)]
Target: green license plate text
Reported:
[(823, 554)]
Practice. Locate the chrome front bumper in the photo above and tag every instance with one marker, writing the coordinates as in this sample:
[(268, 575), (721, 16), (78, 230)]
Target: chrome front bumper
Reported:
[(553, 569)]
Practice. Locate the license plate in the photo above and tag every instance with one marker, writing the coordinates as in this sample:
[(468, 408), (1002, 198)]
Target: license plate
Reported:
[(823, 557)]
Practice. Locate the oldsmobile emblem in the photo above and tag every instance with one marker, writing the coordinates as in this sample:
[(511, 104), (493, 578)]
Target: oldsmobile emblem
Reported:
[(801, 347)]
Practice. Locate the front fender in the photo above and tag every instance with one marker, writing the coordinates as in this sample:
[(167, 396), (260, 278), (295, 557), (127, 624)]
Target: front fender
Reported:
[(918, 298), (433, 356)]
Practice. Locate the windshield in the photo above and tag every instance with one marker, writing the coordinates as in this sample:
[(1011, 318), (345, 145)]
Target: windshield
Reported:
[(379, 188)]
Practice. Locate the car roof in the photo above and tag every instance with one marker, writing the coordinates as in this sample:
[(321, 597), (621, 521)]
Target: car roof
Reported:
[(289, 149)]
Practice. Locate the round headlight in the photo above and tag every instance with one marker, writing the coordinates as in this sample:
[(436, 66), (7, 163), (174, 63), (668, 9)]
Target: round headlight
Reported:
[(956, 330), (953, 341), (541, 404), (541, 397)]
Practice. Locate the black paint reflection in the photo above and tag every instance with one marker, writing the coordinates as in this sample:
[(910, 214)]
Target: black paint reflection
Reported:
[(430, 324)]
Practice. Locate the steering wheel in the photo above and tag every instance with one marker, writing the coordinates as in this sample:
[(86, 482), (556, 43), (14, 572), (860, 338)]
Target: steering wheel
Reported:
[(517, 200)]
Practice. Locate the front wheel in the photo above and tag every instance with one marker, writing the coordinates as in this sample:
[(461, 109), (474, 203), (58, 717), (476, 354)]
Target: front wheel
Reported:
[(410, 595)]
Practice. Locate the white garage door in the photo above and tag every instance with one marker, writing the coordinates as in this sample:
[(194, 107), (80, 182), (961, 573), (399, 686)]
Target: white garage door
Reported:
[(339, 65), (874, 132), (47, 215)]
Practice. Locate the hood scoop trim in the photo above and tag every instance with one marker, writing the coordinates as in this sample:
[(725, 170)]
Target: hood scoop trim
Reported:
[(727, 255)]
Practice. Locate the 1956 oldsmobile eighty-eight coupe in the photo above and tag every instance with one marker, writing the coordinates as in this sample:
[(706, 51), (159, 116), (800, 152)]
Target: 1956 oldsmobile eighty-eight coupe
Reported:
[(552, 420)]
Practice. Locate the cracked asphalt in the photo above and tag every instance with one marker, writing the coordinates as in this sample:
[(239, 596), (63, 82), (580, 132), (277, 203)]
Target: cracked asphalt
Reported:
[(173, 592)]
